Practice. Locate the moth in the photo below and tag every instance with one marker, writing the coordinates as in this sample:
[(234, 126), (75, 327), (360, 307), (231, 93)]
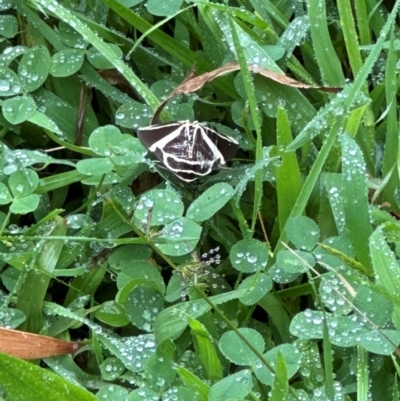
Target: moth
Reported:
[(189, 149)]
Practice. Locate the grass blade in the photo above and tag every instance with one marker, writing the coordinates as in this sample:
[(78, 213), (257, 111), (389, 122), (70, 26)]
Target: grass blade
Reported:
[(385, 267), (355, 195), (258, 190), (328, 62), (288, 180)]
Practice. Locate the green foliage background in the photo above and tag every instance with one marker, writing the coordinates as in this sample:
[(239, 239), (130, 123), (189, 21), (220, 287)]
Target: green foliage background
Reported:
[(305, 304)]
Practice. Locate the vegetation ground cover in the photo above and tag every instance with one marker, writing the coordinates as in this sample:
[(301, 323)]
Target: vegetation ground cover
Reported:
[(102, 244)]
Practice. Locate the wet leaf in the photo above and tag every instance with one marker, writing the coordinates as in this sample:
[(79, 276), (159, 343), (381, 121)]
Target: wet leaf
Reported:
[(70, 36), (8, 26), (6, 5), (23, 182), (112, 313), (345, 331), (98, 61), (133, 115), (294, 34), (10, 82), (143, 394), (179, 237), (334, 293), (130, 151), (237, 385), (111, 368), (171, 322), (25, 204), (294, 262), (23, 380), (249, 255), (66, 62), (105, 139), (94, 166), (280, 387), (142, 307), (157, 207), (134, 269), (377, 308), (18, 109), (257, 286), (128, 4), (113, 392), (381, 342), (162, 8), (281, 276), (34, 68), (386, 267), (235, 349), (133, 351), (303, 232), (125, 255), (355, 199), (292, 357), (209, 202), (10, 318), (206, 350), (5, 196), (173, 291), (10, 54), (77, 221), (160, 372)]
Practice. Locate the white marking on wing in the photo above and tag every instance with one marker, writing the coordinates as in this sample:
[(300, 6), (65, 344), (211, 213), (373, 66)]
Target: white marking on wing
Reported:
[(163, 142)]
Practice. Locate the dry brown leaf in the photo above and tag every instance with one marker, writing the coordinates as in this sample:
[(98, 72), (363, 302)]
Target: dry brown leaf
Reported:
[(33, 346), (285, 80), (192, 84)]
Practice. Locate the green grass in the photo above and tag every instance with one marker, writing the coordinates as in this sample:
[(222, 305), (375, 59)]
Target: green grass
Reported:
[(101, 244)]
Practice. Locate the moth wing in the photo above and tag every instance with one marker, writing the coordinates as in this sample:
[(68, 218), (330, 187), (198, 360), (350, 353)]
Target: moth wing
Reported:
[(227, 146), (184, 166), (154, 133), (186, 176), (189, 150)]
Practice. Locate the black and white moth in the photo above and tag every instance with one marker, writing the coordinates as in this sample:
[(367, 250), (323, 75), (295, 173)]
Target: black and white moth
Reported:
[(189, 149)]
